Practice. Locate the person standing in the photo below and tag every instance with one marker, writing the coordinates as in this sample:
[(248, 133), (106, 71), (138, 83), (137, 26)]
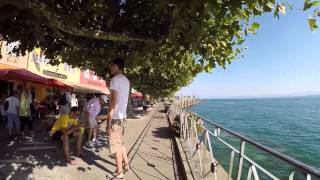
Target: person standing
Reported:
[(2, 109), (119, 89), (65, 103), (25, 112), (12, 113), (74, 101), (92, 110)]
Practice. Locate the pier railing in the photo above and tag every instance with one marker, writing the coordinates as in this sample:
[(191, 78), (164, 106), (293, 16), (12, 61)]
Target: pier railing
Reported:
[(198, 140)]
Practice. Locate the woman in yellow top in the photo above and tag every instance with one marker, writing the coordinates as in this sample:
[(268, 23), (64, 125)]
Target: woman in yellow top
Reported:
[(65, 127), (25, 112)]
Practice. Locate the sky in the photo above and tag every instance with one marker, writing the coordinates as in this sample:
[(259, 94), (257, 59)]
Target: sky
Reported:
[(282, 59)]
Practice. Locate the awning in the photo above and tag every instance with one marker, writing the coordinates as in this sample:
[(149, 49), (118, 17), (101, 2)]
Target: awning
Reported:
[(22, 74), (25, 75), (59, 84), (88, 88), (136, 94)]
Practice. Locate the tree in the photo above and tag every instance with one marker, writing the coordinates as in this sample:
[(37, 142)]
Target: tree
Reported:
[(165, 42)]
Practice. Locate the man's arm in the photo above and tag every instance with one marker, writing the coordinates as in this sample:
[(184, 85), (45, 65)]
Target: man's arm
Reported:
[(112, 107), (87, 115), (69, 130), (18, 105)]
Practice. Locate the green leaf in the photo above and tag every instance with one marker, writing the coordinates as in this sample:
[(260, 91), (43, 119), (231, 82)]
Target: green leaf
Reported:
[(255, 26), (309, 4), (270, 5), (276, 13), (312, 24)]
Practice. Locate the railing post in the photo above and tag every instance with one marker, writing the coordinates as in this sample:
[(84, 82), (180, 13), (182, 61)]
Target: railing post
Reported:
[(308, 177), (291, 176), (231, 165), (211, 152), (186, 128), (242, 146), (198, 147)]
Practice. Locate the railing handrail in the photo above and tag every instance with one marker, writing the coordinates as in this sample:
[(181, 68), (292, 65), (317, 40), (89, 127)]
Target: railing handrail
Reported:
[(300, 165)]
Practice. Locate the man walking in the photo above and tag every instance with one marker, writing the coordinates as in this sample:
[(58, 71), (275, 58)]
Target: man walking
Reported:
[(119, 87)]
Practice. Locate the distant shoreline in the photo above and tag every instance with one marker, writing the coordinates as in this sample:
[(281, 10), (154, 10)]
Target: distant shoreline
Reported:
[(261, 97)]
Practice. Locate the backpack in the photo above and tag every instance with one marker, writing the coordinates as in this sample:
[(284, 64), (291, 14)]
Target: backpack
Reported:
[(63, 100), (6, 105)]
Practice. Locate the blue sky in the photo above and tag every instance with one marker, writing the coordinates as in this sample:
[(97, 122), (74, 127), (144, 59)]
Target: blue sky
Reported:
[(282, 59)]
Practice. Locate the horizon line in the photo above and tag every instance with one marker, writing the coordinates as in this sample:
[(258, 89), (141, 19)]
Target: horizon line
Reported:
[(261, 97)]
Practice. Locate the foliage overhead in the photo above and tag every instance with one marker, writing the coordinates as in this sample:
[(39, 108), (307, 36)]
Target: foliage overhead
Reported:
[(166, 43)]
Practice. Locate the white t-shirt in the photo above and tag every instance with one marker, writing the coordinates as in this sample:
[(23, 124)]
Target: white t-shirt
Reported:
[(13, 104), (121, 84), (74, 102)]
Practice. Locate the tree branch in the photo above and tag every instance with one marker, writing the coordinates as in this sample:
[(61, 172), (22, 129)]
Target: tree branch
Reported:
[(41, 10)]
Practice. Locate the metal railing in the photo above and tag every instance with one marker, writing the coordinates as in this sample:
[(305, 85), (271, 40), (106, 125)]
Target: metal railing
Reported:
[(197, 140)]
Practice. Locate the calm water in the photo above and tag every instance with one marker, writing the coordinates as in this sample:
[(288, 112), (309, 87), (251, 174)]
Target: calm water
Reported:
[(288, 125)]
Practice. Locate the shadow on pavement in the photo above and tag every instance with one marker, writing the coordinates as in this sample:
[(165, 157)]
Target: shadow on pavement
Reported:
[(19, 159), (162, 132)]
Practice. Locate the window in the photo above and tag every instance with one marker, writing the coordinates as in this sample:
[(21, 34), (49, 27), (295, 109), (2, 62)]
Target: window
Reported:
[(65, 67), (10, 47), (95, 77), (87, 74)]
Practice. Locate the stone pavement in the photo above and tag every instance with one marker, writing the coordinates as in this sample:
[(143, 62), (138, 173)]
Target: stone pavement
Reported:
[(148, 140), (153, 155)]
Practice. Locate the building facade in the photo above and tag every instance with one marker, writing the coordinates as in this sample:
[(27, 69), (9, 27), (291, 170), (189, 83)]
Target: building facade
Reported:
[(37, 63)]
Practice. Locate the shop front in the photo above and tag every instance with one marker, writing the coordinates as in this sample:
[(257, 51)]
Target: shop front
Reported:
[(63, 73)]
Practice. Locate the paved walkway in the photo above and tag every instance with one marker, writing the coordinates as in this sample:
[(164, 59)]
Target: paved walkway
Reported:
[(148, 140), (153, 156)]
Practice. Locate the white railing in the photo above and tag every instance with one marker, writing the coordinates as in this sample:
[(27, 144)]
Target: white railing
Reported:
[(198, 140)]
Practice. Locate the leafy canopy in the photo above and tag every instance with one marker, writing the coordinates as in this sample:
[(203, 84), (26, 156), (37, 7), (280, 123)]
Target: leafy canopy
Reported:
[(166, 43)]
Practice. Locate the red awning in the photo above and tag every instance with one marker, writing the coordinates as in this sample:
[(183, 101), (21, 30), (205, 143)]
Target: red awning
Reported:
[(25, 75), (21, 74), (58, 84), (136, 94)]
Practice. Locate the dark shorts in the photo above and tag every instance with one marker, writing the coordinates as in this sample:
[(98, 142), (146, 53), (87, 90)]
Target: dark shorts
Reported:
[(57, 136)]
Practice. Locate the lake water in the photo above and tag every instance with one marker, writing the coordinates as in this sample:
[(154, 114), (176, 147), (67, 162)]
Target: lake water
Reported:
[(288, 125)]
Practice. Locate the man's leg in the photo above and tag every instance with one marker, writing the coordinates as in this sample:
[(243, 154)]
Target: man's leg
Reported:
[(79, 143), (17, 122), (95, 131), (119, 160), (30, 126), (65, 143), (22, 126), (90, 134), (125, 156), (10, 123)]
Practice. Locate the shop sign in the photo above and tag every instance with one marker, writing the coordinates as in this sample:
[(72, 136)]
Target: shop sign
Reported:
[(54, 74)]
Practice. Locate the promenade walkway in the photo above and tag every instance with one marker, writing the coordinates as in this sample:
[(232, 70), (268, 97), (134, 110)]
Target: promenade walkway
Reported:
[(148, 140)]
